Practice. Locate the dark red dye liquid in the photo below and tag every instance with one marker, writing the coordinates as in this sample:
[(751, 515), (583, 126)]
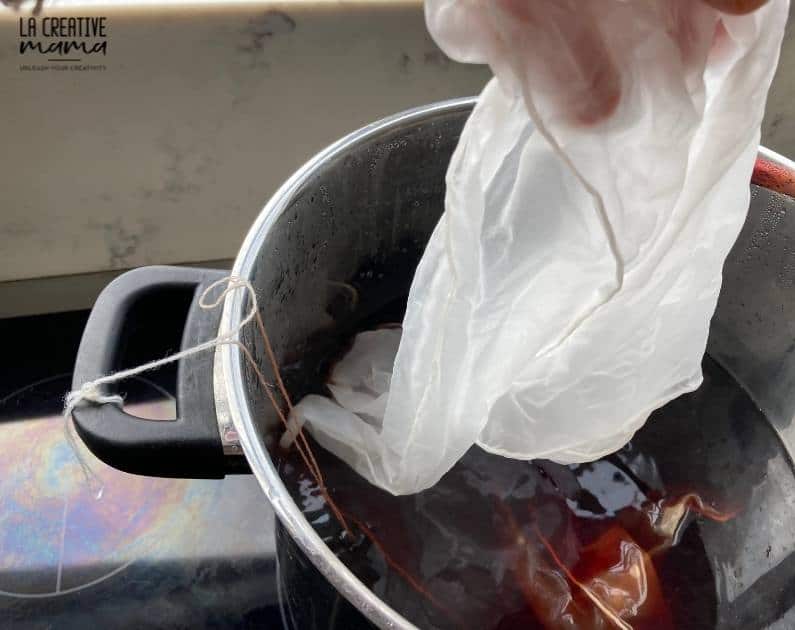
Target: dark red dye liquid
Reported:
[(507, 544)]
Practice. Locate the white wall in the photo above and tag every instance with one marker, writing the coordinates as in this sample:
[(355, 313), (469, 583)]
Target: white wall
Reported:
[(167, 156)]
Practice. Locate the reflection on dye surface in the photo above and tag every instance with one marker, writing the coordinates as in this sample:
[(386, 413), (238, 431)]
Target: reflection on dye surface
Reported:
[(682, 528)]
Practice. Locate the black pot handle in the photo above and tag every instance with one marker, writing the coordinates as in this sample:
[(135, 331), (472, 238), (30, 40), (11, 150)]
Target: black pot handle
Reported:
[(189, 446)]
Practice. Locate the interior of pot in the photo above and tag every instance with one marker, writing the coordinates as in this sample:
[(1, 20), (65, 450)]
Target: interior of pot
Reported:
[(346, 246)]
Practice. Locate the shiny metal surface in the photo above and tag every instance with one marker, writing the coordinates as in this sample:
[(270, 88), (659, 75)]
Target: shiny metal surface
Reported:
[(366, 205), (753, 331), (230, 441), (435, 132)]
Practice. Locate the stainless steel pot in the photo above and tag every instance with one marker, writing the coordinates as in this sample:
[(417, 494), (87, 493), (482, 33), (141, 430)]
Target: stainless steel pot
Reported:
[(360, 213)]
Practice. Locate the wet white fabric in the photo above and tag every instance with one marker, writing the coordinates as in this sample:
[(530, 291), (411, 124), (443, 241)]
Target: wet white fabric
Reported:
[(567, 291)]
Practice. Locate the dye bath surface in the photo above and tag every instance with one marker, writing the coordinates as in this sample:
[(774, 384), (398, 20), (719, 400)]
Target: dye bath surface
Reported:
[(670, 532)]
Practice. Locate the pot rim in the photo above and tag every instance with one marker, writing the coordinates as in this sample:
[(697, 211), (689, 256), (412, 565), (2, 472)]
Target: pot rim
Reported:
[(233, 390), (230, 396)]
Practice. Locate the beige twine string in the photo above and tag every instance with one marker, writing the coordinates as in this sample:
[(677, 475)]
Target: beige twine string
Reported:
[(91, 392)]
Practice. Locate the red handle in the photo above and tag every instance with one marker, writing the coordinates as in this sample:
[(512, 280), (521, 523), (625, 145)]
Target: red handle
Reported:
[(774, 176)]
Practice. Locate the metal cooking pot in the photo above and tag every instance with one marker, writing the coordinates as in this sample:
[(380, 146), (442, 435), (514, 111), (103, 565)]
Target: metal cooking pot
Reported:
[(360, 213)]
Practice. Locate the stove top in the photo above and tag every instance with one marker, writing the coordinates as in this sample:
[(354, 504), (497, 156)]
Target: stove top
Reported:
[(105, 548)]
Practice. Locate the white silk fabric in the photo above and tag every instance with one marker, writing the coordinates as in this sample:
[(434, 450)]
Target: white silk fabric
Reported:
[(567, 291)]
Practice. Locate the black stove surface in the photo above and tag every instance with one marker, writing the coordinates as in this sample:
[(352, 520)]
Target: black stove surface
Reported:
[(103, 548)]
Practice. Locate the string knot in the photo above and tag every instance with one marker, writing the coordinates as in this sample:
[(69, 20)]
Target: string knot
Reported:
[(89, 392)]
